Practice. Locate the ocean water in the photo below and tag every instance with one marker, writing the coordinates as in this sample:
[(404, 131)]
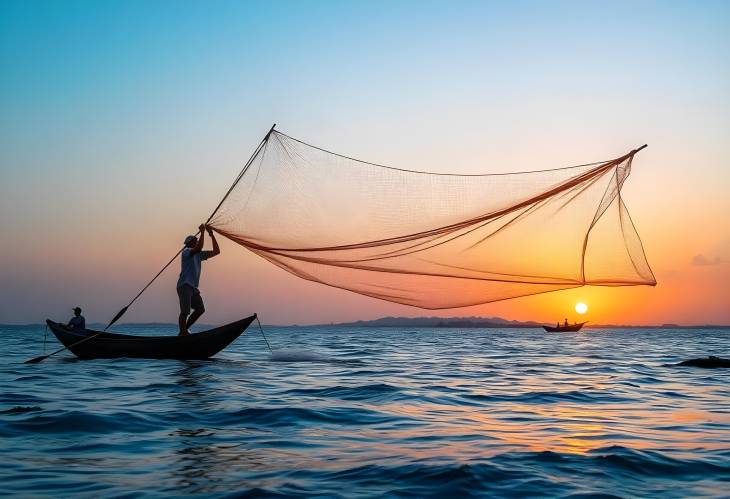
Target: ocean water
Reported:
[(338, 412)]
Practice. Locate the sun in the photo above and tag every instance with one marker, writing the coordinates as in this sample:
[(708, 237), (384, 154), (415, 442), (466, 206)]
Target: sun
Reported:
[(581, 308)]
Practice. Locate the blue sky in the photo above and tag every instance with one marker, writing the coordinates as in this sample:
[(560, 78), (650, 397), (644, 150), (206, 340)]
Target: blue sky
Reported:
[(125, 120)]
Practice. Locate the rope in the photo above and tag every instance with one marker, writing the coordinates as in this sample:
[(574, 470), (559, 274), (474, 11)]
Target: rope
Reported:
[(262, 333), (277, 133)]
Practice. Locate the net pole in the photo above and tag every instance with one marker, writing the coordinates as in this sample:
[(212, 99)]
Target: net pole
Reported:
[(618, 161), (243, 171), (235, 182)]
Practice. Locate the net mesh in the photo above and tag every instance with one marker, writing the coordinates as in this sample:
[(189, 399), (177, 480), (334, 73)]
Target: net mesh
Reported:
[(433, 240)]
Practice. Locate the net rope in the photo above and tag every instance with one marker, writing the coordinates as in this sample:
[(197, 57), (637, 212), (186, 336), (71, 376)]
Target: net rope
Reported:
[(433, 240)]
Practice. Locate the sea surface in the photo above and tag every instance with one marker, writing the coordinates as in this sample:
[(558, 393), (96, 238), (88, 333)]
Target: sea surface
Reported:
[(381, 412)]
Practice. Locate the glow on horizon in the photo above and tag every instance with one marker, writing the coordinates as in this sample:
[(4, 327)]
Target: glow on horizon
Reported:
[(115, 147)]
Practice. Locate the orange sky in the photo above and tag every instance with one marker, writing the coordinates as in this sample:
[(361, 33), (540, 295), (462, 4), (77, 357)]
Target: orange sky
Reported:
[(113, 152)]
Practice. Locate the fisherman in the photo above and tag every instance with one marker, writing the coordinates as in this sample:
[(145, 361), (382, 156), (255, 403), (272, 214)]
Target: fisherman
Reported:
[(77, 321), (566, 322), (187, 284)]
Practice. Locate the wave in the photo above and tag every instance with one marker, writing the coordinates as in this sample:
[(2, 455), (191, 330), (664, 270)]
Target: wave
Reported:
[(549, 397), (653, 463), (297, 355), (19, 398), (295, 416), (532, 474), (83, 422), (360, 392), (21, 409)]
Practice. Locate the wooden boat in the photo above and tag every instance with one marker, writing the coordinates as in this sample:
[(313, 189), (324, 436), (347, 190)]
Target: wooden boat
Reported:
[(112, 345), (569, 327)]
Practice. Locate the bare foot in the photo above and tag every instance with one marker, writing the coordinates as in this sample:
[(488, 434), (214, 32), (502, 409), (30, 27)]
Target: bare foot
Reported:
[(184, 333)]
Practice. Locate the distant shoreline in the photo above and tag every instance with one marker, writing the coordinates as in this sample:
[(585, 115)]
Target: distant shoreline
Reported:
[(496, 322), (432, 322)]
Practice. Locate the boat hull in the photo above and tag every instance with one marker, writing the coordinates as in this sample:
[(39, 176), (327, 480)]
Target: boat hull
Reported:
[(112, 345), (568, 328)]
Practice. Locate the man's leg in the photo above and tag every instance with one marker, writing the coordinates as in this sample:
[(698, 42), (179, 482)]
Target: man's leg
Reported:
[(194, 316), (184, 293), (198, 308), (182, 321)]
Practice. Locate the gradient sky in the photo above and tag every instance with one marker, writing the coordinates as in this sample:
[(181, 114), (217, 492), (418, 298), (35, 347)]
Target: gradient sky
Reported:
[(123, 122)]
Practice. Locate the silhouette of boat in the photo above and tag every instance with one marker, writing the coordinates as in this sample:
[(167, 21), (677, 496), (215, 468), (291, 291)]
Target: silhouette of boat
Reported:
[(112, 345), (568, 327)]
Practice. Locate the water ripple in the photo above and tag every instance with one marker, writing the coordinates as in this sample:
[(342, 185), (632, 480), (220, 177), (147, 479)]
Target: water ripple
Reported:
[(340, 412)]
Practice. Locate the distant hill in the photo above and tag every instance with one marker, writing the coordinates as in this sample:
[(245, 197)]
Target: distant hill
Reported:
[(491, 322)]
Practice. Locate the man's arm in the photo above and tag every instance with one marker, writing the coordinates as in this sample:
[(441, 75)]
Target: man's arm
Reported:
[(199, 247), (216, 248)]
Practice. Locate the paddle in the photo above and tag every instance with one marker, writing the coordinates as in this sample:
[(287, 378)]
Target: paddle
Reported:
[(41, 358)]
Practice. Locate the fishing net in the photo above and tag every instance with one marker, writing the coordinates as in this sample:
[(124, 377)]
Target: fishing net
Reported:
[(433, 240)]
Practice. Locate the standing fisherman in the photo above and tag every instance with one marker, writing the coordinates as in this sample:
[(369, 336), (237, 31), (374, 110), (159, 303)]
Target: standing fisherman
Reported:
[(187, 284)]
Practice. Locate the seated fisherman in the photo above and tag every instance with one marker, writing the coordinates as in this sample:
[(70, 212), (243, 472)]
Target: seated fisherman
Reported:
[(77, 321)]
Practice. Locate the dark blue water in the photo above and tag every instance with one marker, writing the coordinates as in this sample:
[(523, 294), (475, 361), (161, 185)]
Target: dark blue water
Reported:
[(373, 412)]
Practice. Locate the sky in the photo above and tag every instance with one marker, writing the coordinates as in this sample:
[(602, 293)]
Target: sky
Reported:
[(122, 123)]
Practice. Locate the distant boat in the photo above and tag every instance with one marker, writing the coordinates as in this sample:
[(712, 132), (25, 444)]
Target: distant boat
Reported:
[(102, 345), (565, 327)]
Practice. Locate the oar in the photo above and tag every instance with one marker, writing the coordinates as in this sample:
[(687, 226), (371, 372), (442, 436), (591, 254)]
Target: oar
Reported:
[(44, 357)]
